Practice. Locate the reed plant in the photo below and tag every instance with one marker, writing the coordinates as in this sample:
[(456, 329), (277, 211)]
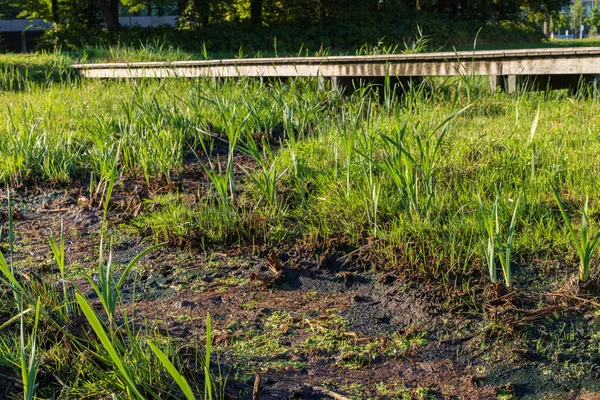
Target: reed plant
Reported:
[(268, 176), (583, 243), (233, 124), (58, 250), (108, 289), (411, 163), (293, 133), (349, 134), (218, 176), (496, 246), (117, 359), (30, 357)]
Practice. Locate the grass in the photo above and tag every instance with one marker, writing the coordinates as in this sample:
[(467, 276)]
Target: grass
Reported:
[(121, 344), (347, 166), (495, 242), (406, 178), (584, 245), (400, 167)]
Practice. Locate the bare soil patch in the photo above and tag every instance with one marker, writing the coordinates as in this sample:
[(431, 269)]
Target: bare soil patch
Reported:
[(329, 324)]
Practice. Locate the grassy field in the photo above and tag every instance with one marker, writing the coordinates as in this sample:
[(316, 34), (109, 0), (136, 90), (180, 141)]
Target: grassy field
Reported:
[(432, 241)]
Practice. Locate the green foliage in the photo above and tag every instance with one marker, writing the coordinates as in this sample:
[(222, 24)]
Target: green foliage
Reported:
[(33, 9), (220, 180), (495, 241), (584, 245), (224, 39), (107, 290), (113, 361), (559, 22), (388, 164), (177, 377), (593, 20), (115, 357), (411, 165), (30, 364), (173, 221), (269, 175), (22, 72)]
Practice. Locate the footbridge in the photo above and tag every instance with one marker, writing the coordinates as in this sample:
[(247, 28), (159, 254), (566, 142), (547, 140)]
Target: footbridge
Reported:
[(547, 67)]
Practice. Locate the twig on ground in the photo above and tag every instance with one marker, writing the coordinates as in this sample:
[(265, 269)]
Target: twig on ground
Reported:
[(330, 393), (360, 249), (256, 389), (54, 210), (572, 296)]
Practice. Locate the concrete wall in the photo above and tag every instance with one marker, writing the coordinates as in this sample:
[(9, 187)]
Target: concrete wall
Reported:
[(20, 25), (148, 21)]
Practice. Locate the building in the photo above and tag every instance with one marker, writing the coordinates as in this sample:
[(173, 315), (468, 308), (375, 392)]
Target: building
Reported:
[(19, 34)]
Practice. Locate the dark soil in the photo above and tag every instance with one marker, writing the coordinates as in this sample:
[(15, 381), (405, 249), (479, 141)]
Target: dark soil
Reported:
[(329, 324)]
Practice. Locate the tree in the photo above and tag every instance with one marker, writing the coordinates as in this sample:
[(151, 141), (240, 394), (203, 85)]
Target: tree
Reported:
[(256, 7), (110, 12), (576, 15), (559, 22), (203, 7), (33, 9), (54, 11), (72, 12), (593, 21), (541, 11)]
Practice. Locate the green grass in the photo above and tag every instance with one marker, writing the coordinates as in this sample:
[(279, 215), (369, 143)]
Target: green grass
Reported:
[(585, 246), (404, 178), (116, 359), (345, 169)]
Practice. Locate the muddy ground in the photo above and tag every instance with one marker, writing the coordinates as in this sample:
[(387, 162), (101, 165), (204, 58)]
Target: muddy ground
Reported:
[(331, 324)]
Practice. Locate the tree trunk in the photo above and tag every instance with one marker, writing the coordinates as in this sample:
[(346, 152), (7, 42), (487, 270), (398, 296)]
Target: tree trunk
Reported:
[(181, 7), (455, 8), (256, 12), (441, 6), (55, 16), (203, 7), (114, 11), (107, 13), (547, 25)]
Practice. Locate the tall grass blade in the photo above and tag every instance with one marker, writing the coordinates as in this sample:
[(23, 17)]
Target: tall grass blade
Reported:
[(104, 339), (133, 262), (16, 318), (488, 225), (208, 386), (30, 365), (584, 247), (177, 377), (58, 250)]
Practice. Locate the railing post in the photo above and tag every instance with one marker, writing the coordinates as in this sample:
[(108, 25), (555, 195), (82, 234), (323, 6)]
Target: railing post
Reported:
[(510, 83), (506, 83), (495, 82), (341, 84), (322, 83)]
